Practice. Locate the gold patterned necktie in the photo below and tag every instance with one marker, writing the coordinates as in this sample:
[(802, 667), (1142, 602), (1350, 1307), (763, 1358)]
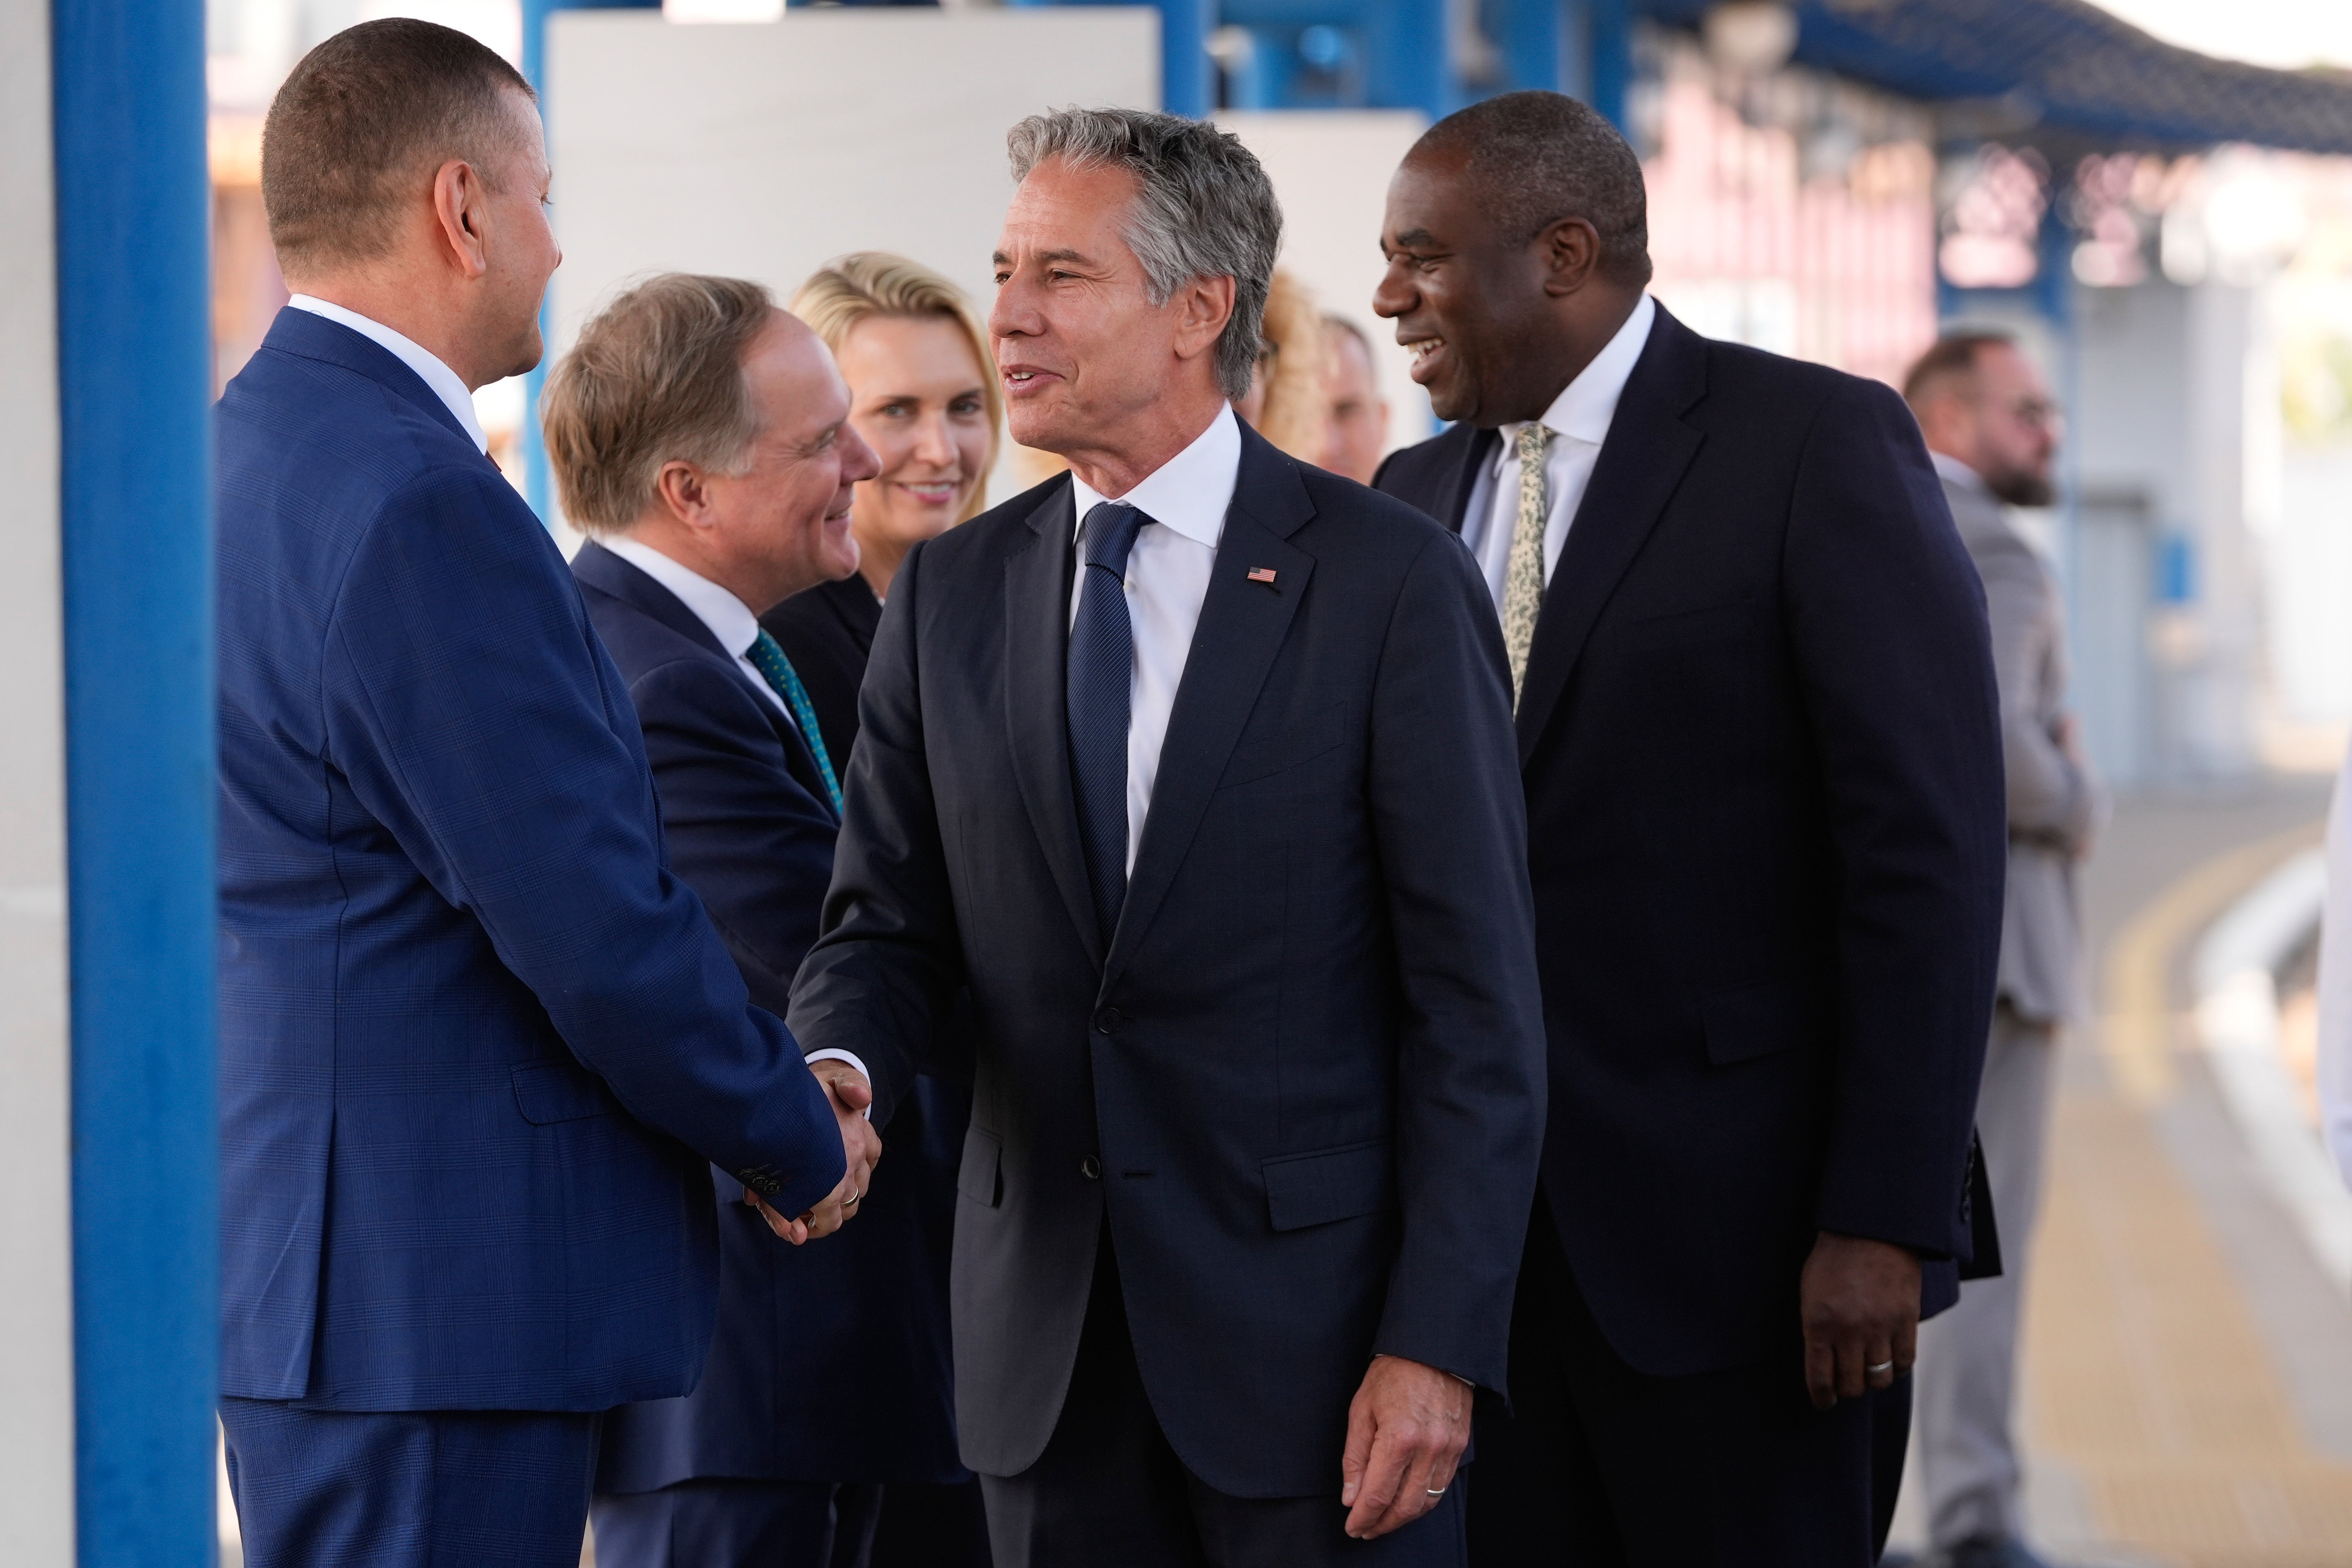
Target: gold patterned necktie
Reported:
[(1523, 578)]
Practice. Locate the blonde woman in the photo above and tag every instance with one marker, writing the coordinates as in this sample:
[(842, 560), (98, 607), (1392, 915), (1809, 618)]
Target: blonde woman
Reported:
[(1286, 402), (923, 395)]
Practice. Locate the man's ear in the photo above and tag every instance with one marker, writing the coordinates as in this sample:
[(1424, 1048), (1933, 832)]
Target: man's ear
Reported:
[(1571, 253), (460, 207), (684, 494), (1204, 306)]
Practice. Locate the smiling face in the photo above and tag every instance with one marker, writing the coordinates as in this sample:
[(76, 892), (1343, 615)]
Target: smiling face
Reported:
[(1091, 368), (1469, 299), (918, 398), (782, 523)]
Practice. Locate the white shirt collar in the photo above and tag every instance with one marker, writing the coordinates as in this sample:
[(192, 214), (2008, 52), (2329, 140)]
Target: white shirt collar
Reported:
[(1955, 472), (1585, 406), (1188, 493), (728, 618), (428, 366)]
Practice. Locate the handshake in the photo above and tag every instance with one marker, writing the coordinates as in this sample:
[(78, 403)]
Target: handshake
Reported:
[(861, 1146)]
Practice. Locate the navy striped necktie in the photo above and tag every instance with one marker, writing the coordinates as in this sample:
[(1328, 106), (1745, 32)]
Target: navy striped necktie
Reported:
[(1101, 677)]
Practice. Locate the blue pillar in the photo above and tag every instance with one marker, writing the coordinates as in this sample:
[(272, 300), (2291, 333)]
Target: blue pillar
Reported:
[(1187, 77), (537, 486), (1610, 57), (1531, 43), (1410, 57), (134, 382)]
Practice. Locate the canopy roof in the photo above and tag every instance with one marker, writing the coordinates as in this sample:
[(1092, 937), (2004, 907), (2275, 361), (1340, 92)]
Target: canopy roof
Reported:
[(2063, 65)]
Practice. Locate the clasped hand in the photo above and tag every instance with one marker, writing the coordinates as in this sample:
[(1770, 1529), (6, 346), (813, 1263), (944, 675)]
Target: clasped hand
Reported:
[(861, 1147)]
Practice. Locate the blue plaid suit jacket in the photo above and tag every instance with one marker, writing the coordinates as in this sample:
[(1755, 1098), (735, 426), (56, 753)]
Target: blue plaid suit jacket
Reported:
[(477, 1042)]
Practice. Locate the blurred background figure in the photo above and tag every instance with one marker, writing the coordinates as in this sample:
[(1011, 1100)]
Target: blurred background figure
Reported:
[(1992, 431), (1355, 415), (923, 393), (1285, 400)]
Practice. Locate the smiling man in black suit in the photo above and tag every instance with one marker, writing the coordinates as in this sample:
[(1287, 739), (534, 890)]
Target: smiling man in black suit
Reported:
[(1760, 745), (1195, 765)]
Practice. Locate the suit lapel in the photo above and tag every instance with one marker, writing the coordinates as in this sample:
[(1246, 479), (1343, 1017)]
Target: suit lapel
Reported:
[(1479, 454), (600, 569), (1241, 630), (1036, 639), (1647, 451)]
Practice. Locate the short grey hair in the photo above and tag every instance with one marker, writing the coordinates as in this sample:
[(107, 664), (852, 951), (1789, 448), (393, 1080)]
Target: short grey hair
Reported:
[(1204, 208)]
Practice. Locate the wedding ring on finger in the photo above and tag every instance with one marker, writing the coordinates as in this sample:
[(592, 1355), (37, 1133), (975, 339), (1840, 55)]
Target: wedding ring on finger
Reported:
[(1881, 1366)]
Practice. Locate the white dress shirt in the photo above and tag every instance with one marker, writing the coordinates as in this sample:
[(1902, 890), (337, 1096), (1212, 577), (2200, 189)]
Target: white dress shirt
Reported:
[(1578, 420), (730, 619), (1167, 578), (428, 366), (737, 629)]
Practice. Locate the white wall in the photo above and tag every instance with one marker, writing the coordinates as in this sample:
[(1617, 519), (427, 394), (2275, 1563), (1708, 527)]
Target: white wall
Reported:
[(1330, 170), (36, 1430), (764, 150)]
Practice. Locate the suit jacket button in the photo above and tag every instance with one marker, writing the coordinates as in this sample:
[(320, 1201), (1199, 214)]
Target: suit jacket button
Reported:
[(1110, 1019), (1090, 1168)]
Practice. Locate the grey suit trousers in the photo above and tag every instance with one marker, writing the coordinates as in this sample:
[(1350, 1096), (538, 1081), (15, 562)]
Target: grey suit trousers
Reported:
[(1965, 1382)]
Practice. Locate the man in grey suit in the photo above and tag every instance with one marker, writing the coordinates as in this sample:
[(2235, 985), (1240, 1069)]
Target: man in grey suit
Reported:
[(1993, 429)]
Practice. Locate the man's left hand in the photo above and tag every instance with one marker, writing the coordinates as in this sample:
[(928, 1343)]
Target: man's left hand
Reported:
[(1406, 1429), (1859, 1301)]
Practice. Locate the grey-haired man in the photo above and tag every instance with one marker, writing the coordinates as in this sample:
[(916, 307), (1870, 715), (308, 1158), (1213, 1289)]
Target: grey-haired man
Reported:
[(1195, 765)]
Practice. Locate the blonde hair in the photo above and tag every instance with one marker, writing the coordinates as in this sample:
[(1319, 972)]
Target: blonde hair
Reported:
[(869, 283), (1297, 407), (654, 377)]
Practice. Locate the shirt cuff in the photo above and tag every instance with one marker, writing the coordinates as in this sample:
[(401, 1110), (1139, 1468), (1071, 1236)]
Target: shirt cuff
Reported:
[(831, 1054)]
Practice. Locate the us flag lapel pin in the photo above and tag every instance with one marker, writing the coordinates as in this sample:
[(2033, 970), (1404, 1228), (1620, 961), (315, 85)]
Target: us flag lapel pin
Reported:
[(1262, 574)]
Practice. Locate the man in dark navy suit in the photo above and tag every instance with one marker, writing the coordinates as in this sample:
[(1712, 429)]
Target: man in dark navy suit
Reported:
[(701, 437), (478, 1047), (1194, 766), (1760, 747)]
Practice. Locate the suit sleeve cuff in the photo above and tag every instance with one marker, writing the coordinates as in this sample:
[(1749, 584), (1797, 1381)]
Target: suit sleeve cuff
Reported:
[(832, 1055)]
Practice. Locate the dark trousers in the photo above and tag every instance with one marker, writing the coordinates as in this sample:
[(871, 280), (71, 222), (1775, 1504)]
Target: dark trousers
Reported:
[(1598, 1466), (459, 1488), (713, 1524), (1109, 1492), (941, 1525)]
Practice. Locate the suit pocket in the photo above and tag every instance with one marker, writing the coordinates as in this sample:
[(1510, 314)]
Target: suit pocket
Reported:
[(981, 1177), (1745, 1022), (548, 1092), (1328, 1185), (1261, 756)]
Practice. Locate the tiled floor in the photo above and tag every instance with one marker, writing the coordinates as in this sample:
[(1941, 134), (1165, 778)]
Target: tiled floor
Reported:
[(2187, 1378)]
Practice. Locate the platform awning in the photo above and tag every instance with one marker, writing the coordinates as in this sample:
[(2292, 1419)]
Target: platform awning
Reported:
[(2065, 67)]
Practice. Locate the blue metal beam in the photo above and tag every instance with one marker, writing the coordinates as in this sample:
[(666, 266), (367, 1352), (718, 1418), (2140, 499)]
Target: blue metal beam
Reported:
[(135, 379), (1609, 58)]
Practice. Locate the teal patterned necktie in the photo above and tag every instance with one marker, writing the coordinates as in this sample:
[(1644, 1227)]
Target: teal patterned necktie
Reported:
[(768, 659)]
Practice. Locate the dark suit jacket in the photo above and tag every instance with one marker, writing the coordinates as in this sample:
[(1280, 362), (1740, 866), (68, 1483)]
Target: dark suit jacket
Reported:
[(830, 1362), (476, 1041), (828, 633), (1301, 1078), (1761, 748)]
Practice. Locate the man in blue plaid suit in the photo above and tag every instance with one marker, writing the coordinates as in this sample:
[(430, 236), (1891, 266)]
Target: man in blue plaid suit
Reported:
[(479, 1047)]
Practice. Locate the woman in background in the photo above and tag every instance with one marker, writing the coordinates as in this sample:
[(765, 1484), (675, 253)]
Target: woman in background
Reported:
[(923, 395), (1286, 402)]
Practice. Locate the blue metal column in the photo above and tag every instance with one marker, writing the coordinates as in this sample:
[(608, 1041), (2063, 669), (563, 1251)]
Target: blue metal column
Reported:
[(1531, 42), (1410, 57), (1610, 57), (134, 382), (1187, 79), (538, 487)]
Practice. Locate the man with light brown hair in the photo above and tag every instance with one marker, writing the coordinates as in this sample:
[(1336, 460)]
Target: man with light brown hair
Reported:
[(701, 438), (478, 1046)]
